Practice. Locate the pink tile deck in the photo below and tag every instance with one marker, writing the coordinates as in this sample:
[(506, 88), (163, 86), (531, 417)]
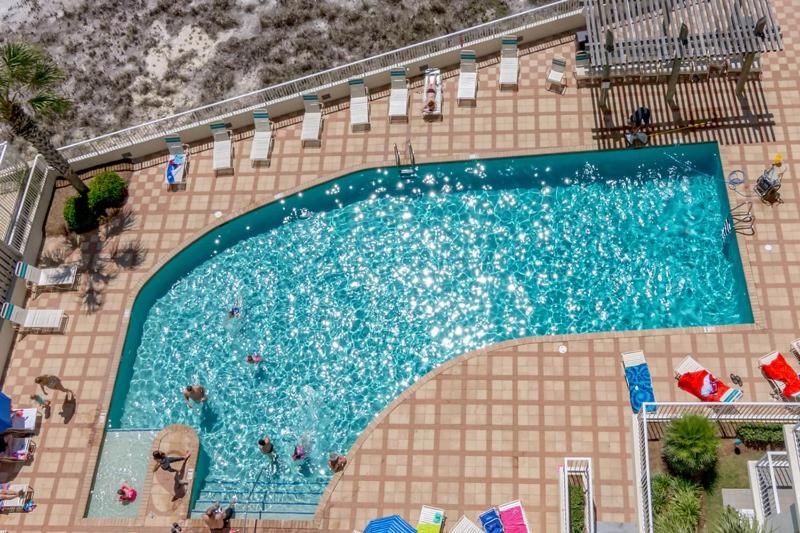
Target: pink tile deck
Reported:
[(486, 428)]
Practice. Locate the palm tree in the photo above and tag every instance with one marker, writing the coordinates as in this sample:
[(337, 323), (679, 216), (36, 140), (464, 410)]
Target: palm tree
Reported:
[(690, 447), (28, 89), (730, 521)]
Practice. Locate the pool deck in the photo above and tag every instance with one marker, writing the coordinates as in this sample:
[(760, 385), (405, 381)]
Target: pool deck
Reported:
[(482, 429)]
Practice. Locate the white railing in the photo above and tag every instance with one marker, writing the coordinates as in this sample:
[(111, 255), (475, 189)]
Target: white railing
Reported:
[(27, 204), (773, 473), (317, 82), (577, 472), (727, 415)]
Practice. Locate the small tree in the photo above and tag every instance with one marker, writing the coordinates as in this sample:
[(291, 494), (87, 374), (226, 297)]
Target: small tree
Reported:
[(28, 90), (690, 447), (730, 521)]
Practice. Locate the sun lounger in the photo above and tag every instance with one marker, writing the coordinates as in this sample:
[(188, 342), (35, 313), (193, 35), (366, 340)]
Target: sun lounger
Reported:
[(398, 96), (261, 149), (702, 384), (465, 525), (582, 65), (18, 449), (557, 73), (431, 520), (781, 375), (63, 277), (509, 62), (359, 105), (19, 504), (33, 319), (640, 383), (490, 520), (512, 515), (175, 173), (23, 422), (432, 93), (312, 120), (223, 147), (467, 78)]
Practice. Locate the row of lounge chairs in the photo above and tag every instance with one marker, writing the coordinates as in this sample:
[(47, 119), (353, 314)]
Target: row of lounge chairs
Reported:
[(43, 320), (17, 428), (261, 148), (699, 382), (506, 518)]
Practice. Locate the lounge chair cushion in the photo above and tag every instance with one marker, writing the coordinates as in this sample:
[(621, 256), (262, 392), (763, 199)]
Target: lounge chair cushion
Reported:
[(703, 385), (779, 370), (640, 387)]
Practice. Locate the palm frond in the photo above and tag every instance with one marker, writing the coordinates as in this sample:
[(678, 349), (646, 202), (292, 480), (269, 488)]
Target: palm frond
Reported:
[(17, 62), (45, 74), (47, 103)]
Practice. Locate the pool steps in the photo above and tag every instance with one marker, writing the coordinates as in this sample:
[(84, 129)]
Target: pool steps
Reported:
[(262, 500)]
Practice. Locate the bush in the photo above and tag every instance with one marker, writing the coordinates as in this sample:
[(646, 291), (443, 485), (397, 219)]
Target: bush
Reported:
[(77, 215), (761, 435), (106, 190), (730, 521), (577, 509), (690, 447), (676, 504)]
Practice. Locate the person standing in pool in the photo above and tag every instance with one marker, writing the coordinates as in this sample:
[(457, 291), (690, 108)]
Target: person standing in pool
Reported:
[(265, 445), (194, 392)]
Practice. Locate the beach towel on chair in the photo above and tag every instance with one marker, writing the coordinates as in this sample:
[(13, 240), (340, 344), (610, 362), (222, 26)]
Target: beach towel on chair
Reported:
[(779, 370), (640, 386), (490, 521), (513, 520), (703, 385), (174, 166)]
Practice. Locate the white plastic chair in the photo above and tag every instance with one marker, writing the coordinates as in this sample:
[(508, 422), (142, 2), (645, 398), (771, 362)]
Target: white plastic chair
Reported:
[(261, 149), (312, 120), (467, 78), (509, 63), (359, 105), (223, 147), (398, 96)]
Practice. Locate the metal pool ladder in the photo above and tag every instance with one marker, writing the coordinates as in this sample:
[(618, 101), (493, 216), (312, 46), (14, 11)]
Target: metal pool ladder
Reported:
[(743, 218)]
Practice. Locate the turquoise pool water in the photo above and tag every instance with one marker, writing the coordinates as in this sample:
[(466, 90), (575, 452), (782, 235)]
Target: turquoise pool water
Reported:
[(355, 289)]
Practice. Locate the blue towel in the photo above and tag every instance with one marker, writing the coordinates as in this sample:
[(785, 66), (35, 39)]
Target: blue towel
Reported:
[(490, 520), (640, 386)]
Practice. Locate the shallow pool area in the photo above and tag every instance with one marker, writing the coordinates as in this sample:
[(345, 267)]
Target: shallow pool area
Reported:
[(353, 290)]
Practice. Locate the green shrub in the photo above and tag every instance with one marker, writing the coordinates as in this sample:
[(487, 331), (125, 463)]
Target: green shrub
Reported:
[(760, 435), (676, 504), (690, 447), (77, 215), (577, 508), (730, 521), (106, 190)]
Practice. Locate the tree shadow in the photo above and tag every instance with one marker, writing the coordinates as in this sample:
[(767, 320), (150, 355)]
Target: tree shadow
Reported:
[(101, 255)]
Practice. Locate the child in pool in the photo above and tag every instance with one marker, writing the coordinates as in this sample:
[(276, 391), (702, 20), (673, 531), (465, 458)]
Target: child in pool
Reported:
[(127, 494), (299, 452), (253, 359)]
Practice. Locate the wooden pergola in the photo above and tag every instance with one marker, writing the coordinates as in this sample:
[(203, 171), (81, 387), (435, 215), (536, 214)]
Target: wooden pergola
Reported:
[(671, 37)]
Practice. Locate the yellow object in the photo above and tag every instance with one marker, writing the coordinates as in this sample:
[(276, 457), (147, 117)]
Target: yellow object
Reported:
[(778, 159), (428, 528)]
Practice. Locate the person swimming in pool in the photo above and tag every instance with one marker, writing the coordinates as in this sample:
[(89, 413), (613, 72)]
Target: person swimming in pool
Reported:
[(235, 311), (253, 359), (299, 452), (194, 392)]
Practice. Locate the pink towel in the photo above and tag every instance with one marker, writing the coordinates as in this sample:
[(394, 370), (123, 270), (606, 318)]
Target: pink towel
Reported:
[(513, 520)]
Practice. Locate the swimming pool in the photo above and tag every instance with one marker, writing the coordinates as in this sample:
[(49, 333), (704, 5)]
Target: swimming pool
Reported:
[(353, 290)]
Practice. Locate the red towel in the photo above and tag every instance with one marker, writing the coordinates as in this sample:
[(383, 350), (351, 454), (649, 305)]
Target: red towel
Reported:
[(779, 370), (703, 385)]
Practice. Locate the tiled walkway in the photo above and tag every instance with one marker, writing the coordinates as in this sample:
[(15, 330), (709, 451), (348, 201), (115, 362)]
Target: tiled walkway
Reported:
[(487, 428)]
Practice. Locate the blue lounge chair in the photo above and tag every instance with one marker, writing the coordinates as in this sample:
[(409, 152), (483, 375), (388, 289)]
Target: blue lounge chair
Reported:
[(640, 385), (490, 520)]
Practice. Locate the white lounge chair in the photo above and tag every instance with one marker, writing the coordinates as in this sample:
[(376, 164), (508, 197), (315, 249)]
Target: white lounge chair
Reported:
[(15, 504), (512, 515), (689, 366), (398, 96), (467, 78), (780, 376), (63, 277), (23, 421), (431, 516), (261, 149), (509, 63), (312, 120), (359, 105), (557, 74), (223, 147), (175, 173), (30, 320), (18, 449), (583, 64), (465, 525), (432, 93)]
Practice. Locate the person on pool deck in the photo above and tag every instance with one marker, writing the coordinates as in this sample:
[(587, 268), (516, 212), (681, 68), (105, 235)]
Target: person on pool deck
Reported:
[(194, 392), (6, 494), (126, 493), (253, 359), (51, 382), (337, 461), (265, 445), (216, 518), (165, 462)]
